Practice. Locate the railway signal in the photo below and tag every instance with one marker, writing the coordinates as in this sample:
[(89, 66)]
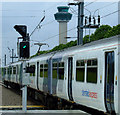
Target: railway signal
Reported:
[(24, 49), (22, 30)]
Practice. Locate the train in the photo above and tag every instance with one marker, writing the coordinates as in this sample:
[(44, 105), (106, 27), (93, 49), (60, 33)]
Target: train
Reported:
[(87, 75)]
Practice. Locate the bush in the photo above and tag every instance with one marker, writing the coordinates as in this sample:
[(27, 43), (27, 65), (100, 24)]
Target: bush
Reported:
[(103, 31), (100, 32), (86, 39), (114, 31)]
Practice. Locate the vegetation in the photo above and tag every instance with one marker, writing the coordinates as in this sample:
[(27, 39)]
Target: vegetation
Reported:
[(103, 31), (114, 31)]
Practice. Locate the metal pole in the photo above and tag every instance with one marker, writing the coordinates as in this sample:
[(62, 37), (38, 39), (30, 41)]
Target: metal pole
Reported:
[(12, 54), (24, 98), (78, 32), (119, 12), (5, 59), (24, 91), (80, 23)]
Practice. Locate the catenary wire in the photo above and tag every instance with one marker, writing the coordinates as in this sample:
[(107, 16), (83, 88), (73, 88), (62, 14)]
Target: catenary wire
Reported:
[(100, 7), (110, 14), (105, 6), (44, 15), (59, 34), (90, 3), (76, 27)]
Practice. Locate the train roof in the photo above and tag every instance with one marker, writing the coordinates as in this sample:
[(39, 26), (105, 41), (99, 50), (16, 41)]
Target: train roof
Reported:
[(93, 44), (72, 50)]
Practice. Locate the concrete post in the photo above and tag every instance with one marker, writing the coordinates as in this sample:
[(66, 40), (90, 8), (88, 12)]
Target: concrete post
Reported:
[(24, 89), (24, 99)]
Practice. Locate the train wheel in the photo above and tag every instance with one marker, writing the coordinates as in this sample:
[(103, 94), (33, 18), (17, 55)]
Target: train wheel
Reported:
[(49, 103)]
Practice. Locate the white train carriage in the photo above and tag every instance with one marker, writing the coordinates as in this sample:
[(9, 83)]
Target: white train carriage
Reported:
[(13, 70), (11, 73), (87, 75), (3, 72), (92, 74)]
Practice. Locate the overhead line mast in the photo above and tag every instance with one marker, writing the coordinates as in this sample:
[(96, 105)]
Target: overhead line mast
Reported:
[(80, 21), (81, 26)]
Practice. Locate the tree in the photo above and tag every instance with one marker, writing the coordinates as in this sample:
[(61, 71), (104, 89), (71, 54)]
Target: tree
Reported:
[(86, 39), (100, 32), (103, 31), (114, 31)]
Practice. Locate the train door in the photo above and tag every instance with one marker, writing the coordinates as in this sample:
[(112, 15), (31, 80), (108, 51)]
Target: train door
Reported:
[(37, 75), (109, 81), (50, 76), (70, 72)]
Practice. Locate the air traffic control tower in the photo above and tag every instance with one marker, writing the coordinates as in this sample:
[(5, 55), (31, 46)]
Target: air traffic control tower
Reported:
[(63, 16)]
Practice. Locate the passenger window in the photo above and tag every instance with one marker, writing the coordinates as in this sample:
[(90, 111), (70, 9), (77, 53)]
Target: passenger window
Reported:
[(80, 70), (33, 67), (41, 70), (17, 69), (61, 70), (5, 71), (14, 70), (55, 70), (10, 70), (46, 70), (2, 71), (92, 71), (30, 74)]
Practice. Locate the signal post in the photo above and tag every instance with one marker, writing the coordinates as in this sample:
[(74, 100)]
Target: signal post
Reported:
[(24, 54)]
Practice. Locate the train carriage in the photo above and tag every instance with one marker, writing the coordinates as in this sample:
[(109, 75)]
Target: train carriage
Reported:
[(87, 75)]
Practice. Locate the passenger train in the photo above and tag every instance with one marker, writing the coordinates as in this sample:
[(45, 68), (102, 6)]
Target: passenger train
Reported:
[(87, 75)]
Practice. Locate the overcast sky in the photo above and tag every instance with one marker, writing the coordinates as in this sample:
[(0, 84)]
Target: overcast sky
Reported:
[(30, 13)]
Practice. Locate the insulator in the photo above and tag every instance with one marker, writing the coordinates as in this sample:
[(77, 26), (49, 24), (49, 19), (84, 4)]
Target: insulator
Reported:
[(94, 21), (89, 19), (99, 19), (85, 20)]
